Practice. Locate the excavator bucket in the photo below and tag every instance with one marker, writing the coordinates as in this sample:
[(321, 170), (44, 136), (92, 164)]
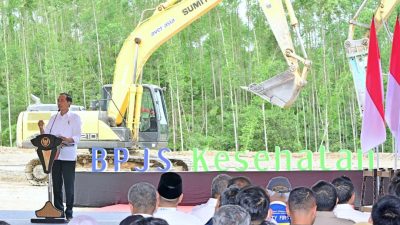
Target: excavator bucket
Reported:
[(281, 90)]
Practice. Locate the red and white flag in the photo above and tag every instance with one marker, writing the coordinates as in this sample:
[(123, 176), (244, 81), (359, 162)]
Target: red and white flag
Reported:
[(373, 131), (393, 87)]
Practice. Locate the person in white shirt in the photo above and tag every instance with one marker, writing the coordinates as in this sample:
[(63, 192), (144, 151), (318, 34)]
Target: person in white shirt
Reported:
[(346, 196), (142, 198), (170, 195), (67, 126), (205, 211)]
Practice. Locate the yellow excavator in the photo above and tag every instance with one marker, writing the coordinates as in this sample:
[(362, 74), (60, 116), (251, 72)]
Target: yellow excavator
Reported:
[(131, 114), (357, 49)]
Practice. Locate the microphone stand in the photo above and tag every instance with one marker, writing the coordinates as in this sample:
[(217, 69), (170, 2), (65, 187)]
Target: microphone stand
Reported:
[(50, 183), (53, 122)]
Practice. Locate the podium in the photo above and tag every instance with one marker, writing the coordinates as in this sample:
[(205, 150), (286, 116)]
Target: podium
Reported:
[(47, 150)]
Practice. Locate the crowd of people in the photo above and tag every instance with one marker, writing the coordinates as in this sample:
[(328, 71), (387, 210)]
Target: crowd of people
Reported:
[(236, 201)]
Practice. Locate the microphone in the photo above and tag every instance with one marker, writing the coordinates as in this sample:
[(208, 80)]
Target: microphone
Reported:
[(54, 121)]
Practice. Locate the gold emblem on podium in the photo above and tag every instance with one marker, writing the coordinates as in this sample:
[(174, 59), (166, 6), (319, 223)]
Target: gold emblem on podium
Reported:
[(45, 142)]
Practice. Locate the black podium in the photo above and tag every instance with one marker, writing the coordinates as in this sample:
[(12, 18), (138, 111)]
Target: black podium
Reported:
[(47, 150)]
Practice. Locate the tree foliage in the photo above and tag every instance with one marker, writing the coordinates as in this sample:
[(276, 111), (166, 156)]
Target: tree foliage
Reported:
[(48, 47)]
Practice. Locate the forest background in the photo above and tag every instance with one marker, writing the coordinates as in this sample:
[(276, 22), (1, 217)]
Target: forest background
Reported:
[(53, 46)]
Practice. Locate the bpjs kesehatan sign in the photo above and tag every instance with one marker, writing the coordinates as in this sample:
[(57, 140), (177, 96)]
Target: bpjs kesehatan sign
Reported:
[(240, 160)]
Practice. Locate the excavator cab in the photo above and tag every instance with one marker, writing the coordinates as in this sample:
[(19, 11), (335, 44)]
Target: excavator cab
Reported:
[(153, 128)]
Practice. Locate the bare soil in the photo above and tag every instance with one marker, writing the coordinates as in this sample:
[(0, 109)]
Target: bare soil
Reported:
[(17, 193)]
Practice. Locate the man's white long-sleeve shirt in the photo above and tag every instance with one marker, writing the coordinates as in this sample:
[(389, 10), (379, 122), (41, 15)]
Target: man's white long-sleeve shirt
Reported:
[(205, 211), (68, 125), (346, 211), (175, 217)]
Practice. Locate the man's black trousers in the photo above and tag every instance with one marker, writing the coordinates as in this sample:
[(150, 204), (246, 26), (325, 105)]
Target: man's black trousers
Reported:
[(63, 172)]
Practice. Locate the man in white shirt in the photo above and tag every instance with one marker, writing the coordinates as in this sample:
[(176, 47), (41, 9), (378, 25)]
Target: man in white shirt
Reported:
[(205, 211), (67, 126), (346, 195), (170, 195), (142, 199)]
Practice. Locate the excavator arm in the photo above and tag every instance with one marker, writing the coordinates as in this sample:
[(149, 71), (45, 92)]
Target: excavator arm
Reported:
[(171, 17), (357, 49), (168, 19), (282, 90)]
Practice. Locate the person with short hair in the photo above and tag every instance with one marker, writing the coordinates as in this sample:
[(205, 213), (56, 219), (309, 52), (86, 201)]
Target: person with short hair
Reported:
[(150, 221), (302, 206), (142, 198), (326, 198), (386, 211), (231, 215), (278, 189), (66, 125), (256, 201), (240, 181), (228, 197), (205, 211), (131, 219), (170, 195), (346, 196)]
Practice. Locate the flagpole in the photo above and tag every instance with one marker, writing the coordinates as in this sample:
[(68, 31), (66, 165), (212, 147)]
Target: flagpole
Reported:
[(377, 169), (373, 129), (392, 115), (395, 153)]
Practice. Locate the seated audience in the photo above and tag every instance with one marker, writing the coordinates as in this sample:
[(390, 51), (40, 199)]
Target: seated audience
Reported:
[(346, 196), (326, 196), (205, 211), (228, 197), (256, 201), (240, 181), (170, 195), (278, 189), (142, 198), (231, 215), (302, 206), (386, 211)]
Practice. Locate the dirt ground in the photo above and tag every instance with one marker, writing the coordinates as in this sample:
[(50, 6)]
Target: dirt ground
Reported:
[(16, 193)]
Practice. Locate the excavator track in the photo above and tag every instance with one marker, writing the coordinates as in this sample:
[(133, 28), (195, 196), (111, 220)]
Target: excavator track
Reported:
[(34, 173)]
